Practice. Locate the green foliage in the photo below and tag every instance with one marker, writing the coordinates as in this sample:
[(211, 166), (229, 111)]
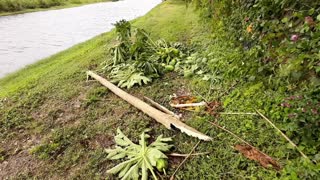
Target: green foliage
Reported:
[(138, 156), (127, 76), (271, 50), (280, 38), (84, 157), (19, 5), (137, 59), (300, 115)]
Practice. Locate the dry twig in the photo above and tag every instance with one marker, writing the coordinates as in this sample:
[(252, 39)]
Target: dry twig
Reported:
[(185, 159), (286, 137), (236, 113), (185, 155)]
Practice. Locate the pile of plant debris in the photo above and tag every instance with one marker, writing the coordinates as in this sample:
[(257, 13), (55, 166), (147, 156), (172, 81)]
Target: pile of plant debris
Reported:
[(137, 59)]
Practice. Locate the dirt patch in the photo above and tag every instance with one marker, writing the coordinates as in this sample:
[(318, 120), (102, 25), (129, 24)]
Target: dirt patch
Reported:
[(102, 141), (21, 163)]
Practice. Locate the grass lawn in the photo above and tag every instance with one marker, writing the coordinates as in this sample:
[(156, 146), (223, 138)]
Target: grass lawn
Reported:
[(55, 124), (35, 7)]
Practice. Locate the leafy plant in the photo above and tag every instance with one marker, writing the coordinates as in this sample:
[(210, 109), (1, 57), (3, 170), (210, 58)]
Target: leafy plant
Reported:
[(123, 30), (138, 156), (127, 76), (137, 59)]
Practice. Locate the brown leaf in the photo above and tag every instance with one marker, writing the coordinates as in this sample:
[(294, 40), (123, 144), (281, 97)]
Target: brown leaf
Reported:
[(254, 154), (214, 107)]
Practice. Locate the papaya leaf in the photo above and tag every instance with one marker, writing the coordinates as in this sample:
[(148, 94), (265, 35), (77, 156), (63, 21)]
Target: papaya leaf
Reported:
[(137, 157)]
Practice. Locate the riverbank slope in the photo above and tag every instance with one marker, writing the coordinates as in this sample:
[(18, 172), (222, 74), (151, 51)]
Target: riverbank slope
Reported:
[(55, 124), (11, 7)]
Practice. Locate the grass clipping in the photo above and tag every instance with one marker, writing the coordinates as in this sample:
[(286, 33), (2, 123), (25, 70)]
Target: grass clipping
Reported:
[(138, 156)]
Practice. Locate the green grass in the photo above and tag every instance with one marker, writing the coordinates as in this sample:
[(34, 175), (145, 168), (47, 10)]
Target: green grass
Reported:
[(53, 119), (10, 7)]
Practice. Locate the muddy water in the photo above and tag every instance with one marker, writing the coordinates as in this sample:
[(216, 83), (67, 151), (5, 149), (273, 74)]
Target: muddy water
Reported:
[(27, 38)]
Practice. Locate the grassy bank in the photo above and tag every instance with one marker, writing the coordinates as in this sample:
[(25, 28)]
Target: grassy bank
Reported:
[(55, 124), (9, 7)]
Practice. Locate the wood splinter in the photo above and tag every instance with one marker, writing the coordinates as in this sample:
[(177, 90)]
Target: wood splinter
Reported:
[(167, 120), (160, 107)]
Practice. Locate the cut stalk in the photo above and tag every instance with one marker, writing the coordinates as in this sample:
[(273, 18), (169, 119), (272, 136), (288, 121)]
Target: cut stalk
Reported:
[(167, 120), (160, 107)]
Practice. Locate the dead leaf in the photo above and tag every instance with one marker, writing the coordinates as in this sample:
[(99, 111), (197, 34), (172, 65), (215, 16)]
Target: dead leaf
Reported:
[(254, 154), (214, 107)]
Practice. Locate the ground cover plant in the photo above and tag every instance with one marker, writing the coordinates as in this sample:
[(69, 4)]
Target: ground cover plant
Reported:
[(54, 124)]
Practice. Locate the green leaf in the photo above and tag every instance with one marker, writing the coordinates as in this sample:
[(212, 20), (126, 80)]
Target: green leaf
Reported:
[(144, 170), (121, 142), (285, 20), (120, 166), (153, 155), (120, 155), (114, 153), (311, 11), (140, 156), (132, 173)]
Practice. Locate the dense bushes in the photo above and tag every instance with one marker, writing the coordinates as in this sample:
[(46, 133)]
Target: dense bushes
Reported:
[(281, 36), (271, 50), (18, 5)]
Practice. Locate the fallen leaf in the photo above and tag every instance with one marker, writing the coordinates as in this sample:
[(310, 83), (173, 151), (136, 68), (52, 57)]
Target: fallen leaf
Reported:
[(249, 28), (214, 107), (254, 154)]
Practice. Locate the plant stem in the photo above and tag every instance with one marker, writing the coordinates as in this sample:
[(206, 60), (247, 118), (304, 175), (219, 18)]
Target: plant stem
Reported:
[(185, 155), (185, 159), (286, 137), (236, 113)]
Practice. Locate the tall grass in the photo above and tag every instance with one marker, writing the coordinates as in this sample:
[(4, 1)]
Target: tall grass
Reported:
[(19, 5)]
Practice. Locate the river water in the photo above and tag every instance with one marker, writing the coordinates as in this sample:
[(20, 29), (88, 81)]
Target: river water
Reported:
[(27, 38)]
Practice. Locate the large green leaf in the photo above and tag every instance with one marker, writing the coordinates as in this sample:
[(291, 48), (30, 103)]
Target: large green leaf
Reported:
[(137, 156)]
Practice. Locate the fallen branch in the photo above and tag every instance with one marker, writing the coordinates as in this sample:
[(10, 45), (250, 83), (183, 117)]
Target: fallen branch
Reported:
[(167, 120), (185, 159), (286, 137), (185, 155), (160, 107)]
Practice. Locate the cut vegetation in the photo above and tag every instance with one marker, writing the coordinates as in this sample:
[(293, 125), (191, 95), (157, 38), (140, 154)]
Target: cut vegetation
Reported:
[(242, 67)]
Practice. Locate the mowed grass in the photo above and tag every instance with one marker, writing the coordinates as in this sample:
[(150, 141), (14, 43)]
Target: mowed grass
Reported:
[(55, 124), (9, 7)]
